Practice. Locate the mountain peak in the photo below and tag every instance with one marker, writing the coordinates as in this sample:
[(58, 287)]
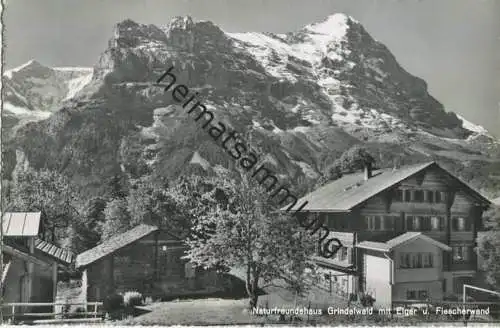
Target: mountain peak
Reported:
[(30, 65), (181, 22), (333, 25)]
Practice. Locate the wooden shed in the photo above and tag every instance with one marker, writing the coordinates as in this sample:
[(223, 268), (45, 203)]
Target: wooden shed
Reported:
[(145, 259), (30, 266)]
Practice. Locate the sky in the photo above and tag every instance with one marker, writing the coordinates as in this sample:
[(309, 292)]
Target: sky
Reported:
[(454, 45)]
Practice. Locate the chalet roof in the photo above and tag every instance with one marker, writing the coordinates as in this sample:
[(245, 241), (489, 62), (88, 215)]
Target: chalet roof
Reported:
[(400, 240), (374, 245), (113, 244), (351, 190), (60, 254), (21, 224)]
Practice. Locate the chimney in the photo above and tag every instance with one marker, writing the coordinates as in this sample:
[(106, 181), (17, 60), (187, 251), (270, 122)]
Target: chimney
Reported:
[(368, 170)]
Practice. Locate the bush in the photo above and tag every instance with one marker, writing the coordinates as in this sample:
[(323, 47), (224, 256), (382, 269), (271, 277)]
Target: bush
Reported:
[(148, 300), (79, 312), (114, 306), (367, 300), (132, 298)]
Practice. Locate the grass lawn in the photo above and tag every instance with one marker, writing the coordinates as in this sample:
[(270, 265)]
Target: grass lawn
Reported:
[(231, 311), (196, 312)]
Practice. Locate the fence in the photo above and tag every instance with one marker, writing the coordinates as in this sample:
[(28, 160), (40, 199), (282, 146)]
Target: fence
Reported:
[(19, 311)]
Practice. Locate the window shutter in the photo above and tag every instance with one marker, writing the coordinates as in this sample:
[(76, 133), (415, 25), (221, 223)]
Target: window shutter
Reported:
[(467, 253), (441, 223), (364, 222), (409, 223), (468, 224), (430, 196)]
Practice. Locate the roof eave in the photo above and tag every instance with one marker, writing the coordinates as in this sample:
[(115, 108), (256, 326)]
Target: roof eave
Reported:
[(317, 210), (374, 248)]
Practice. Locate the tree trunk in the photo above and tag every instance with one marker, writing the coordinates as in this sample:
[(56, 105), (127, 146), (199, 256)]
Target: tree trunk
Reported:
[(252, 287), (253, 300)]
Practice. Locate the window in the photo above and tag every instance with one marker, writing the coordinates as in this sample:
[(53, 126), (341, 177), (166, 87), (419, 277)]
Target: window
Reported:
[(437, 223), (407, 195), (416, 225), (343, 253), (374, 222), (417, 295), (370, 224), (458, 224), (399, 195), (409, 223), (438, 197), (417, 260), (461, 224), (388, 223), (419, 196), (428, 260), (425, 223), (422, 294), (461, 253), (404, 261), (411, 295), (430, 196)]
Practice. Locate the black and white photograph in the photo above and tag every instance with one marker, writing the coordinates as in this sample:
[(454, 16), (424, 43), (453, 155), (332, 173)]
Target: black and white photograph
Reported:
[(250, 162)]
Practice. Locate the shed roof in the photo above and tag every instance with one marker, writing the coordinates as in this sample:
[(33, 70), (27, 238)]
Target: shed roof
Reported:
[(21, 224), (53, 251), (113, 244), (351, 190), (15, 252), (400, 240)]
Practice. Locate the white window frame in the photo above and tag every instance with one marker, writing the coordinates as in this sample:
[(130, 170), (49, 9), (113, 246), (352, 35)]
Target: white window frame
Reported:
[(427, 260)]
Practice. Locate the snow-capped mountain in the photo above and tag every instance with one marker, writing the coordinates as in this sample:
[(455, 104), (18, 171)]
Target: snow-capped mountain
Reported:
[(33, 91), (301, 98)]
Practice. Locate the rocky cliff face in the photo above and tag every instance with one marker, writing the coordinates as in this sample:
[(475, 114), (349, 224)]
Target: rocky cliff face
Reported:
[(300, 98), (33, 91)]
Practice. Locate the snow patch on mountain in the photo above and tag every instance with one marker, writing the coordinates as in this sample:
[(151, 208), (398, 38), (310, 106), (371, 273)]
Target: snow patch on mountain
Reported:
[(33, 91), (275, 51), (8, 73), (307, 169), (471, 126), (24, 112), (74, 69), (197, 159), (77, 84)]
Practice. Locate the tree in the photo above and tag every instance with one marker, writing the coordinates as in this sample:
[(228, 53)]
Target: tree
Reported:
[(116, 218), (353, 159), (49, 192), (171, 207), (86, 232), (244, 235), (489, 246)]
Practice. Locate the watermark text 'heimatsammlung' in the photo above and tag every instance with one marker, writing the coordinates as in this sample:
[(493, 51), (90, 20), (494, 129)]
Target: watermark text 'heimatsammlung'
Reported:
[(248, 159)]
